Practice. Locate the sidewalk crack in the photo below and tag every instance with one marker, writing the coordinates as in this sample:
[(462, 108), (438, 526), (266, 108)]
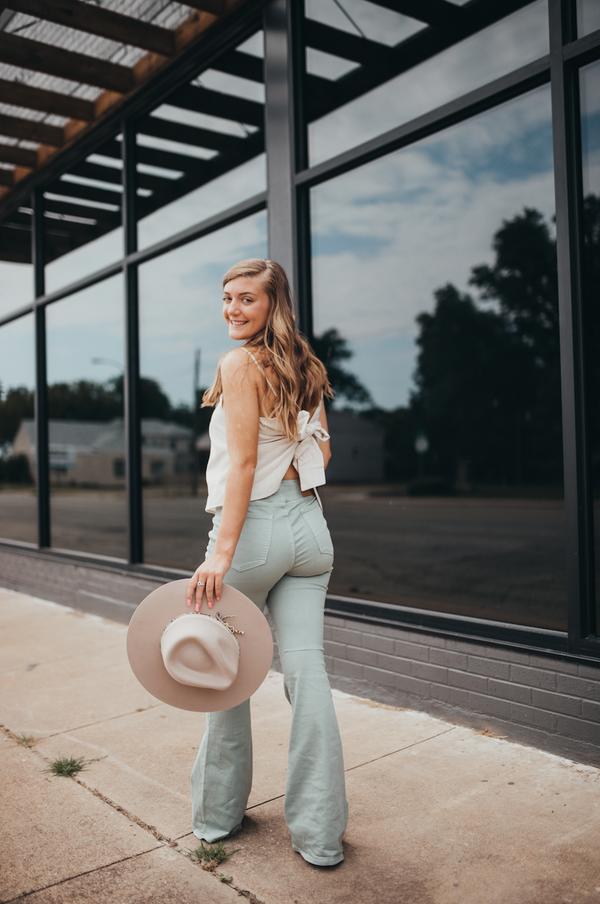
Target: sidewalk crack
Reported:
[(400, 749)]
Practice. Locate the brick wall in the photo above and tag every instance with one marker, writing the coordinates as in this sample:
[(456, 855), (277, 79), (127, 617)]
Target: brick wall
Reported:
[(549, 701)]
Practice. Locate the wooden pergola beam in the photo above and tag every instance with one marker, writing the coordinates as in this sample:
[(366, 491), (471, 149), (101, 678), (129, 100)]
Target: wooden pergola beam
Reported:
[(216, 7), (67, 64), (438, 13), (30, 130), (102, 22), (19, 156), (7, 177), (46, 101)]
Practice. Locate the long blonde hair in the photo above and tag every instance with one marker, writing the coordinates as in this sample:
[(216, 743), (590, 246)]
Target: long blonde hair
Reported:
[(301, 378)]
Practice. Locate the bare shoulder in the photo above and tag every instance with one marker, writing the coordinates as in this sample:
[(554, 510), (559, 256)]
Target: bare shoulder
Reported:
[(235, 368)]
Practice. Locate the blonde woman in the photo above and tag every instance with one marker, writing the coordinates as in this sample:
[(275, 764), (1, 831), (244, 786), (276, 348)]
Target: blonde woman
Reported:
[(269, 449)]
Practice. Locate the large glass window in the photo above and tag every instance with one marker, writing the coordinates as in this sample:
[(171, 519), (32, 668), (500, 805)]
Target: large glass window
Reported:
[(183, 335), (83, 217), (202, 150), (18, 507), (358, 86), (16, 268), (588, 17), (85, 343), (435, 310), (590, 122)]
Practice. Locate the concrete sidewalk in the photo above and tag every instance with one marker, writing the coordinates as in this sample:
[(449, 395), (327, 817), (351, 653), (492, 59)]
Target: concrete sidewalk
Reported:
[(439, 814)]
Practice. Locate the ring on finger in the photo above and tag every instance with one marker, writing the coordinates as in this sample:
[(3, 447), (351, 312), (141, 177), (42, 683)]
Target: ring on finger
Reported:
[(200, 583)]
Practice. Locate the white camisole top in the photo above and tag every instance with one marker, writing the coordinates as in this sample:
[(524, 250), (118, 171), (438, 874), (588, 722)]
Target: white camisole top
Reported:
[(275, 454)]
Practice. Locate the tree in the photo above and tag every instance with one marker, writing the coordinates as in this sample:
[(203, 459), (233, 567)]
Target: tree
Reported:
[(331, 348), (16, 405)]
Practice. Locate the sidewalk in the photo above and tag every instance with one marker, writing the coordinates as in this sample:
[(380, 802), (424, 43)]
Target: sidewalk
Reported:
[(439, 814)]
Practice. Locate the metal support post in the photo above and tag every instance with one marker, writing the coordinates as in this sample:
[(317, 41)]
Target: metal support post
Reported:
[(42, 444)]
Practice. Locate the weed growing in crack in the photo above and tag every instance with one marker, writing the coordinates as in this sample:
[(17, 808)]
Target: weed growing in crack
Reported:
[(67, 766), (26, 740), (224, 878), (209, 856)]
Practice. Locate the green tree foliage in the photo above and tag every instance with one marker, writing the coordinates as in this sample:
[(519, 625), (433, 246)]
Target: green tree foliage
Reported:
[(15, 405), (332, 349)]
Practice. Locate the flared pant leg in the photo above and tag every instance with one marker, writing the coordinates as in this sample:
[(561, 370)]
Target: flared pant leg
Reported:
[(316, 810)]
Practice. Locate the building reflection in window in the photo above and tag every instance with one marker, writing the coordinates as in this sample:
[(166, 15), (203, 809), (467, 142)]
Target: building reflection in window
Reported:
[(436, 311), (85, 343), (358, 86), (588, 17), (201, 150), (183, 335), (18, 504), (590, 121)]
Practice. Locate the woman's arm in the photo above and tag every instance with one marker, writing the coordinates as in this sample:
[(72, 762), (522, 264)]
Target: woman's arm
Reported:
[(324, 445), (241, 407)]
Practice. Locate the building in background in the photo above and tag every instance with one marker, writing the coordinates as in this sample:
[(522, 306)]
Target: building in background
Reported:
[(429, 175)]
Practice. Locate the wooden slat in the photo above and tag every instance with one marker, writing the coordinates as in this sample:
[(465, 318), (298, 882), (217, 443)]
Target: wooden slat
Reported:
[(342, 44), (29, 130), (201, 138), (68, 190), (241, 64), (7, 177), (77, 67), (46, 101), (203, 100), (216, 7), (439, 13), (103, 22), (19, 156), (107, 218)]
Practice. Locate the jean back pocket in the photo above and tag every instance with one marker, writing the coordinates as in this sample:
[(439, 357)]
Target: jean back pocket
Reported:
[(254, 543)]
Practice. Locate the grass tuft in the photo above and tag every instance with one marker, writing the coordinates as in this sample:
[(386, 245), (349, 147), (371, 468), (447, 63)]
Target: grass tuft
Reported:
[(209, 856), (67, 766), (26, 740)]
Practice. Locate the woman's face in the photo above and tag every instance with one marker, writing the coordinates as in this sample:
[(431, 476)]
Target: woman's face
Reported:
[(245, 307)]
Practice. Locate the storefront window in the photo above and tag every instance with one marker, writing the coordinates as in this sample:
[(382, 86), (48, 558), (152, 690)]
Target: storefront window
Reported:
[(590, 128), (352, 103), (18, 504), (16, 269), (85, 343), (83, 217), (202, 150), (588, 17), (183, 335), (435, 310)]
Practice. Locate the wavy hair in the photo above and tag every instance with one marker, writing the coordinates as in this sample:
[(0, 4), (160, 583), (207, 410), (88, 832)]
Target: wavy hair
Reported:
[(300, 377)]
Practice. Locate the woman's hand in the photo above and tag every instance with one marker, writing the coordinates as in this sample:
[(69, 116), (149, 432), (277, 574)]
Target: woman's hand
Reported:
[(208, 578)]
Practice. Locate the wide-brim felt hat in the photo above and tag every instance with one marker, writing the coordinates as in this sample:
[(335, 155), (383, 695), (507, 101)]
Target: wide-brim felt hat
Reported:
[(195, 661)]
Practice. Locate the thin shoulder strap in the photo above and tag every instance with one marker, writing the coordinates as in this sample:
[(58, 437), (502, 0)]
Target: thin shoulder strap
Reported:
[(260, 368)]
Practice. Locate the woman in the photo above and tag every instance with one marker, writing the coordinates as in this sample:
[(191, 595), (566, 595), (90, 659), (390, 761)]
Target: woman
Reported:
[(269, 446)]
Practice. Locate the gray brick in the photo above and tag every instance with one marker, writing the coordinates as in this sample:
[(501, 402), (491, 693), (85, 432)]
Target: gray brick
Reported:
[(590, 671), (343, 635), (554, 664), (327, 632), (506, 690), (375, 642), (523, 714), (543, 719), (357, 654), (577, 728), (428, 672), (471, 648), (490, 668), (347, 669), (578, 687), (339, 650), (454, 696), (474, 683), (489, 706), (542, 678), (393, 664), (591, 711), (449, 659), (557, 703), (411, 650), (413, 686), (508, 655), (379, 676)]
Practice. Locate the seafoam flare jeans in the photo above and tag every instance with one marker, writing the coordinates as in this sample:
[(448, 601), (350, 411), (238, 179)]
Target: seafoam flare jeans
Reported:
[(283, 558)]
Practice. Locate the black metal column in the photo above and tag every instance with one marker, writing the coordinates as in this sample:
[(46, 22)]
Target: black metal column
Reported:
[(133, 437), (566, 131), (41, 381), (280, 136)]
